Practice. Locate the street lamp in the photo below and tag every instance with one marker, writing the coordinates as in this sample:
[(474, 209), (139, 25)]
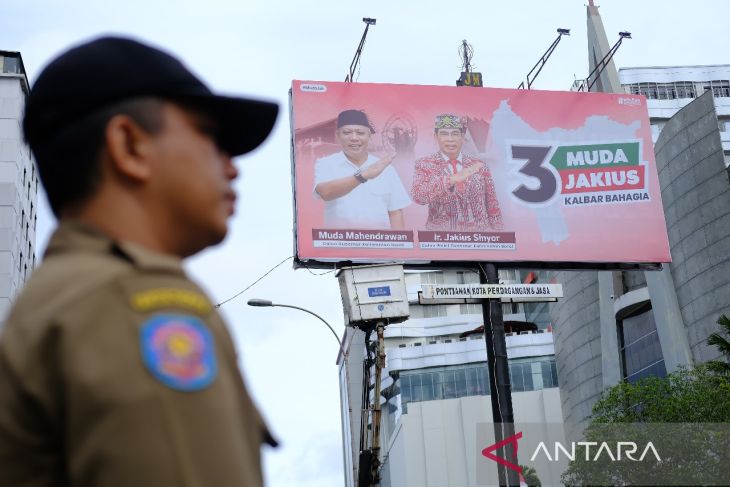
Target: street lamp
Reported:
[(267, 303)]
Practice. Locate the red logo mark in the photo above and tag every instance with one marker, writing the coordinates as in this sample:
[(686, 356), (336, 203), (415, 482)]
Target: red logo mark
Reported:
[(487, 452)]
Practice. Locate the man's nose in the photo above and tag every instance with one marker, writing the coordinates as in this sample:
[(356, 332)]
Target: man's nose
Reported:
[(231, 171)]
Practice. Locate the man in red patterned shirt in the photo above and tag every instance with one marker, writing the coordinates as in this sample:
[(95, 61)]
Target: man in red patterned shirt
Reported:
[(457, 188)]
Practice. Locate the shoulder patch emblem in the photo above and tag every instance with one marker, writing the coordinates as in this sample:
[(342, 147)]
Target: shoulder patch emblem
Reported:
[(171, 297), (178, 350)]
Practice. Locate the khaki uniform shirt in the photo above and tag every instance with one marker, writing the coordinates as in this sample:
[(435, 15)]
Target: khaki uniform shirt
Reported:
[(115, 370)]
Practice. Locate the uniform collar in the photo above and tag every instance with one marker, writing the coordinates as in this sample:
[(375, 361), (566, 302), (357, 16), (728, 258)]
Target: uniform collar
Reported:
[(75, 236)]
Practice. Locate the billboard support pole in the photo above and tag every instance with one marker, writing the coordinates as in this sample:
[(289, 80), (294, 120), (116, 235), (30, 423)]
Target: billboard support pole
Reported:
[(379, 366), (498, 366)]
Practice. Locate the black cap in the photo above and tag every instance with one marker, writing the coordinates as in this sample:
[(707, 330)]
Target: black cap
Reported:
[(354, 117), (111, 69)]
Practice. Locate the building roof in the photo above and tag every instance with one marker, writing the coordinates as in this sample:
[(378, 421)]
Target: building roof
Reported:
[(23, 73), (679, 67)]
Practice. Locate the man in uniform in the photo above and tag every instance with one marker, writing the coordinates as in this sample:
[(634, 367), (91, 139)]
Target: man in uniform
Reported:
[(359, 189), (115, 369), (457, 188)]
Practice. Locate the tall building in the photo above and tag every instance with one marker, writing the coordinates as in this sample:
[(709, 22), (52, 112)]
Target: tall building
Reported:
[(668, 89), (435, 388), (18, 183), (614, 326)]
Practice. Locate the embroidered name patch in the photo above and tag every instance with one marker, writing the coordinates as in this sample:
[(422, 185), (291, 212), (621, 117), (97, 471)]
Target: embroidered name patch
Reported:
[(178, 350), (170, 297)]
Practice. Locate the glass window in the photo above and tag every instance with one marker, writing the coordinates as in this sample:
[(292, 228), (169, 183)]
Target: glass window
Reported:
[(446, 387), (477, 382), (515, 373), (527, 377), (460, 382), (547, 377), (432, 277), (427, 387), (470, 309), (427, 311), (11, 65), (685, 89), (649, 90), (416, 390), (460, 277), (450, 382), (405, 388), (434, 310), (554, 371), (720, 88), (416, 311), (641, 352)]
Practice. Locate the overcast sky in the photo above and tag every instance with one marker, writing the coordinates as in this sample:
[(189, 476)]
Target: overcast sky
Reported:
[(257, 48)]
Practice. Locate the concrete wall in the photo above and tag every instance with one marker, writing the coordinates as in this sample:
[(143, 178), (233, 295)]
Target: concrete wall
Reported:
[(577, 316), (577, 335), (696, 198), (435, 444), (351, 377), (18, 201)]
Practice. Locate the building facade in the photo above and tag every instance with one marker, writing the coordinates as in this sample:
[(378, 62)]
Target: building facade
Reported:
[(614, 326), (18, 184), (435, 388), (668, 89)]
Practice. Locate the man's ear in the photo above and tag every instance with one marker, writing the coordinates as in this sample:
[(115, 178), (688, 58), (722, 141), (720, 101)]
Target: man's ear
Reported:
[(128, 147)]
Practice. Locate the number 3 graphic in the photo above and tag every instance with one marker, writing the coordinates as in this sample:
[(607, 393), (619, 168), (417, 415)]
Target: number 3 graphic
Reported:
[(536, 157)]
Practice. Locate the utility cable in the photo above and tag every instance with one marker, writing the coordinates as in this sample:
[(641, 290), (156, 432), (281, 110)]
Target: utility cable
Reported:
[(319, 273), (253, 283)]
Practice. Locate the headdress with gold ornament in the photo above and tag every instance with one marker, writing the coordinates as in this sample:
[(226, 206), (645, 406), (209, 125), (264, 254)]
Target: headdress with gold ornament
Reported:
[(449, 121)]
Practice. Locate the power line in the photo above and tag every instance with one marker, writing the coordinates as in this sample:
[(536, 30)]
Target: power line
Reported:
[(253, 283), (269, 272)]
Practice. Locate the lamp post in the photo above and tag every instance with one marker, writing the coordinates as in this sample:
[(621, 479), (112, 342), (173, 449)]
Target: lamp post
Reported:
[(267, 303)]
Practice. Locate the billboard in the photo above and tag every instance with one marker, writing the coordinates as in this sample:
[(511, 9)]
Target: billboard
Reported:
[(429, 174)]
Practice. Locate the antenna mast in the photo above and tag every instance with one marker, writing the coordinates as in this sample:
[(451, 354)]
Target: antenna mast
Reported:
[(466, 53)]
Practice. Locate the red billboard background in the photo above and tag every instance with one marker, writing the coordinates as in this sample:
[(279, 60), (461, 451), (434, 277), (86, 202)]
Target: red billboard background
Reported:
[(573, 174)]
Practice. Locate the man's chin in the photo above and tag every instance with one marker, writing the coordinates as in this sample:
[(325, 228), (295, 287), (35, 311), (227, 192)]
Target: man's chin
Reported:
[(209, 239)]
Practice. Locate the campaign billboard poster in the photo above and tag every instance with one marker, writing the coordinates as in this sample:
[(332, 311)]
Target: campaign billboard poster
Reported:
[(433, 174)]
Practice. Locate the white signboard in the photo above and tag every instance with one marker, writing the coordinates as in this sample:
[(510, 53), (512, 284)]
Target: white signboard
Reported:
[(492, 291)]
